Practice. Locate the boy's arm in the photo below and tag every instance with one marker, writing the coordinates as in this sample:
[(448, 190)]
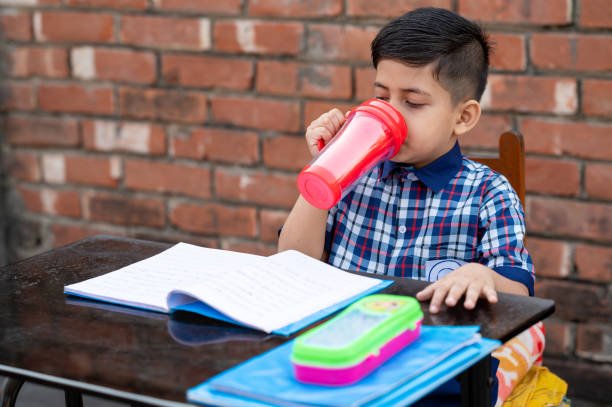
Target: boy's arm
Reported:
[(305, 227), (304, 230)]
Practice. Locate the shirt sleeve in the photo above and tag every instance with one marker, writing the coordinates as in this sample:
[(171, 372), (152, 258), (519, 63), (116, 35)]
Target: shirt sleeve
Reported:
[(502, 227), (329, 229)]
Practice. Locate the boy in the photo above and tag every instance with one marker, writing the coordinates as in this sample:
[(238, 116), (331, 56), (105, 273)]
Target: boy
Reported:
[(428, 202)]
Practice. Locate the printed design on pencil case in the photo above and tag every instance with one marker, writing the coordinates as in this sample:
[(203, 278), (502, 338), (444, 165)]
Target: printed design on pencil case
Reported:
[(436, 269)]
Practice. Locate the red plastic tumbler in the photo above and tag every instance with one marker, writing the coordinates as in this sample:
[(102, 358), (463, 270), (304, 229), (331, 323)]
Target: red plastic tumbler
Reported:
[(373, 131)]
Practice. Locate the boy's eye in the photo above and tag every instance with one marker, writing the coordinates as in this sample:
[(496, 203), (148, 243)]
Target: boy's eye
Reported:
[(414, 105), (385, 98)]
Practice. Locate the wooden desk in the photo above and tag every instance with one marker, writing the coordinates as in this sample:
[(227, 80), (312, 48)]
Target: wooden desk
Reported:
[(148, 358)]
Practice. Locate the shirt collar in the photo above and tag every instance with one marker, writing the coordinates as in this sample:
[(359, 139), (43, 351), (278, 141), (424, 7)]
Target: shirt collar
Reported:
[(435, 174)]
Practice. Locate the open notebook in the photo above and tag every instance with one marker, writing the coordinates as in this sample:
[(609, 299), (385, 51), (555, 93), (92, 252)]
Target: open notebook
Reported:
[(279, 294)]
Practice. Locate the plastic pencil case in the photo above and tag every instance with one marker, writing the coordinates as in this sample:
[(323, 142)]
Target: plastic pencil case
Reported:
[(349, 346)]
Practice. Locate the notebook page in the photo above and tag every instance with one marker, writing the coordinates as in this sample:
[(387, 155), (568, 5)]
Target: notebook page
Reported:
[(276, 291), (146, 284)]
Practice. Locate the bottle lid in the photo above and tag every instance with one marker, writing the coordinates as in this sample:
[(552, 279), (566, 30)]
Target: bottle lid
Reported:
[(389, 115), (319, 187)]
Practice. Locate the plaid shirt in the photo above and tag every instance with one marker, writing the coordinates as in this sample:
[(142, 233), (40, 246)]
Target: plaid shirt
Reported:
[(397, 218)]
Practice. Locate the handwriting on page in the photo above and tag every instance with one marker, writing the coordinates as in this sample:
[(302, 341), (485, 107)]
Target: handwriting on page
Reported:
[(148, 282), (281, 289)]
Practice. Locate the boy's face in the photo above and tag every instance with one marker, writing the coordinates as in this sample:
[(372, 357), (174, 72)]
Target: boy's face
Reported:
[(426, 106)]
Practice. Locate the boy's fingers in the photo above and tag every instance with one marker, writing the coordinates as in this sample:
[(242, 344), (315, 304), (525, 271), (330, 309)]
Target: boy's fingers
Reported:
[(437, 298), (471, 296), (425, 293), (490, 294), (455, 293), (337, 120)]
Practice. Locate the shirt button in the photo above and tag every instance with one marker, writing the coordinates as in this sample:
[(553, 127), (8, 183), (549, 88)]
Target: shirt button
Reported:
[(402, 229)]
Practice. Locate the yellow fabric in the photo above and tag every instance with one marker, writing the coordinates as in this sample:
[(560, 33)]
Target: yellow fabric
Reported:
[(516, 357), (538, 388)]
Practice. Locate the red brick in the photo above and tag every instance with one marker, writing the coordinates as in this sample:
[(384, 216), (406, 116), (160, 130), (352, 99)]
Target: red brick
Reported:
[(215, 219), (265, 114), (565, 218), (364, 82), (312, 110), (17, 96), (295, 9), (552, 176), (206, 7), (207, 72), (258, 37), (255, 187), (487, 131), (182, 179), (597, 97), (140, 138), (113, 64), (578, 139), (331, 81), (193, 218), (277, 77), (571, 52), (271, 221), (73, 98), (24, 166), (91, 170), (285, 152), (576, 301), (251, 247), (558, 337), (531, 94), (552, 12), (340, 42), (27, 62), (166, 32), (64, 26), (114, 4), (594, 263), (551, 258), (229, 146), (509, 53), (42, 131), (594, 341), (598, 179), (390, 8), (16, 25), (161, 104), (63, 234), (595, 14), (51, 201), (122, 210)]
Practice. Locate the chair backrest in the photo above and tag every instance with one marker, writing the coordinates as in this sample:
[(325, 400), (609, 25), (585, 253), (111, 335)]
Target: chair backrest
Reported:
[(511, 161)]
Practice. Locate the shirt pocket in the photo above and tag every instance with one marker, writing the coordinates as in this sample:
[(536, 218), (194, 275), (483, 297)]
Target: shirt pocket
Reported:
[(436, 269)]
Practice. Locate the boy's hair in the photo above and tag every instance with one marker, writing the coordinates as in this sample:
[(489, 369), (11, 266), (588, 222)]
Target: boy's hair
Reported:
[(459, 47)]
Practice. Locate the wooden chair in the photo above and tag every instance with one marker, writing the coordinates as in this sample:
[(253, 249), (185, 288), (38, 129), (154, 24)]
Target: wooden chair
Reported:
[(511, 161)]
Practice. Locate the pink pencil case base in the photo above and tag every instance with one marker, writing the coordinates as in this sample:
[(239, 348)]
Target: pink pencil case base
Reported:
[(351, 374)]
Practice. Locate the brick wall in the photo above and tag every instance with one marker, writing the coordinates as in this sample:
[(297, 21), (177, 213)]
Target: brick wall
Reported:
[(182, 120)]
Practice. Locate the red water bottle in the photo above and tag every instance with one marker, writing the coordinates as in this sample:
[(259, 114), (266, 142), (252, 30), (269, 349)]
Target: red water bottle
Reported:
[(373, 131)]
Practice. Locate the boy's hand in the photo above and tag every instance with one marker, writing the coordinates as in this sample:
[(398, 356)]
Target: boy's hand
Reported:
[(323, 128), (472, 279)]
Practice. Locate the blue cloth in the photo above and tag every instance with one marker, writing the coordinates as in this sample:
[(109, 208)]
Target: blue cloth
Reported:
[(398, 217)]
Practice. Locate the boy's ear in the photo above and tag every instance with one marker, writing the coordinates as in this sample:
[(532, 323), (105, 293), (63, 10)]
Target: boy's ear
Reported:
[(468, 114)]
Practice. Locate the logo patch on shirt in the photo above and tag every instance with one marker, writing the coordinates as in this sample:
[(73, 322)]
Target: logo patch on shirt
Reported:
[(436, 269)]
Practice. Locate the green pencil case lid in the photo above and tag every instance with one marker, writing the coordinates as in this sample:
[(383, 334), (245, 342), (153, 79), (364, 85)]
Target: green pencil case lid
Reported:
[(359, 331)]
